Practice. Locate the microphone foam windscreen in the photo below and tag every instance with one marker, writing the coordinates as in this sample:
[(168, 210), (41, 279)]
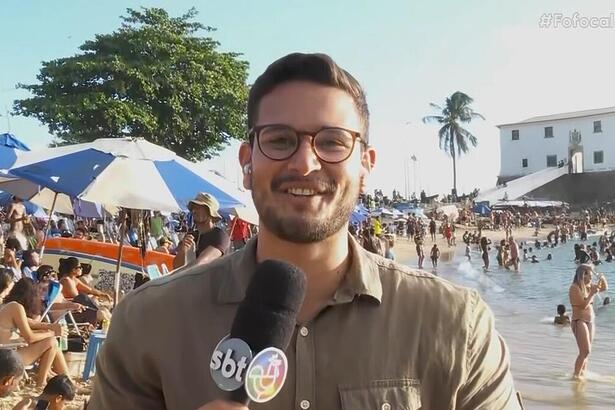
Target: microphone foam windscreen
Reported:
[(268, 314)]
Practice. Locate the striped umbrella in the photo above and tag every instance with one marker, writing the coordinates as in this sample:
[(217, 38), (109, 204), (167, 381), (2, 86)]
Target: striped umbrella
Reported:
[(124, 172)]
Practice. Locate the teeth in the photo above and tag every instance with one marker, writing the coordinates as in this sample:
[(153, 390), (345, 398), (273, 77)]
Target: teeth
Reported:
[(301, 191)]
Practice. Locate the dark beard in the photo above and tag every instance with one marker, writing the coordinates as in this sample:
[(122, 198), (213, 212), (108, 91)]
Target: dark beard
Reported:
[(303, 228)]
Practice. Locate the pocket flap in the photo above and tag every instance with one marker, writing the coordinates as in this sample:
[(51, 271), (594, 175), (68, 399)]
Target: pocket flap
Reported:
[(394, 394)]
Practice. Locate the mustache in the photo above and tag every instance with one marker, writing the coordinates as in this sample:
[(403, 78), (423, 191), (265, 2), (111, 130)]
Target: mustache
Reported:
[(322, 184)]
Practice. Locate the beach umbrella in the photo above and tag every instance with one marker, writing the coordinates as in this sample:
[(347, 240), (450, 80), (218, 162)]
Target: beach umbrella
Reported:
[(124, 172), (44, 198), (10, 148)]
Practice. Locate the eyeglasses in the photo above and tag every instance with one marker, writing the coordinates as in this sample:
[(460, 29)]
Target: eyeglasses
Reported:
[(279, 142)]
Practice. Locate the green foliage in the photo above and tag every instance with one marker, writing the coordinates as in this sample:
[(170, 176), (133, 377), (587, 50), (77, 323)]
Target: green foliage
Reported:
[(454, 139), (155, 78)]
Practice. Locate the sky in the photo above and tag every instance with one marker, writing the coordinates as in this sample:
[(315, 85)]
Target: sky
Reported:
[(406, 54)]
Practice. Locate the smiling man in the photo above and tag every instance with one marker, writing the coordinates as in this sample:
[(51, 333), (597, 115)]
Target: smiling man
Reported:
[(370, 333)]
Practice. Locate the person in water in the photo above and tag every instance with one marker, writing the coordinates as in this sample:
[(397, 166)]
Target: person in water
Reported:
[(562, 318)]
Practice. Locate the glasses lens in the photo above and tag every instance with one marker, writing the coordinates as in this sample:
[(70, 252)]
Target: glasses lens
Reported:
[(333, 145), (278, 142)]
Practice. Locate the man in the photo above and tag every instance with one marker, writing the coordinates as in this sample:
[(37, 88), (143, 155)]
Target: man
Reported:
[(31, 262), (371, 333), (81, 233), (432, 230), (208, 242), (17, 216), (240, 233)]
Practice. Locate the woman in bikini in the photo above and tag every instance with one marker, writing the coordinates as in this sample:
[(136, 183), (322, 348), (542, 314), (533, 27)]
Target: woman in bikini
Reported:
[(40, 338), (75, 290), (581, 294)]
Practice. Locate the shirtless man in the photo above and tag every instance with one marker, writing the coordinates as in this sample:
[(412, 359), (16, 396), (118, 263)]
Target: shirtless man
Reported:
[(17, 215), (514, 254)]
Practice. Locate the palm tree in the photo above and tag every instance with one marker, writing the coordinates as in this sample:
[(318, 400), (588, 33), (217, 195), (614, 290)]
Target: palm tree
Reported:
[(454, 139)]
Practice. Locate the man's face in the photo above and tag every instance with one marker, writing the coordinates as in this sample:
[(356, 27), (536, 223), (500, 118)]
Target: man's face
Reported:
[(327, 192), (200, 214), (78, 234)]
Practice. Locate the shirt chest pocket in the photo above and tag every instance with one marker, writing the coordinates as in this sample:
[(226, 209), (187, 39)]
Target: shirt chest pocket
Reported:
[(395, 394)]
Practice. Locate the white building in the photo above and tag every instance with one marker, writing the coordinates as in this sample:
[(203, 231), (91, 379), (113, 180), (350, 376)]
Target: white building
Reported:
[(584, 141)]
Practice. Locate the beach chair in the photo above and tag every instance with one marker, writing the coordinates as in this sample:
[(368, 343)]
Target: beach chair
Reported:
[(53, 293)]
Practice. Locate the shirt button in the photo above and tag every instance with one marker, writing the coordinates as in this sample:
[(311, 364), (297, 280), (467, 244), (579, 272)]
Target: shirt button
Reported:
[(305, 404), (386, 406), (304, 332)]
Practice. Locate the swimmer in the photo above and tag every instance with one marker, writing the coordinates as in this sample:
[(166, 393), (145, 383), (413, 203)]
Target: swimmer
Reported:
[(562, 318)]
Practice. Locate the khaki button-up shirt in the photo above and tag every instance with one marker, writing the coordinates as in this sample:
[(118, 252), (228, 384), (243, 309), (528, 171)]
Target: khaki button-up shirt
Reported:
[(391, 338)]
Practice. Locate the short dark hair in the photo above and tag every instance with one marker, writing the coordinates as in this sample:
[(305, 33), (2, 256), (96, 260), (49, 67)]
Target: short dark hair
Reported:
[(13, 243), (10, 364), (60, 385), (561, 309), (317, 68)]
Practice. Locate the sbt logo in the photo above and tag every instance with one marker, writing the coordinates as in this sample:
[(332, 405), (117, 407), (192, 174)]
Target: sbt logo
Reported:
[(228, 365), (229, 362)]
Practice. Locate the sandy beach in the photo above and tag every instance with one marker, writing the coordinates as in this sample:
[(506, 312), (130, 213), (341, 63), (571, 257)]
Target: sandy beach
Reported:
[(405, 252)]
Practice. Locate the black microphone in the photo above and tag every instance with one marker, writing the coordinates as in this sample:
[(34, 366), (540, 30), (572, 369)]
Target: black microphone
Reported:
[(263, 326)]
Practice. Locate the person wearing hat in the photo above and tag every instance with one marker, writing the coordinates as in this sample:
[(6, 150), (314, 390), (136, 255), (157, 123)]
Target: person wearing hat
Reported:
[(164, 245), (209, 241)]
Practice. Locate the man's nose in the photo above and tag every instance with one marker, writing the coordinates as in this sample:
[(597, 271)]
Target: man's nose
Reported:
[(305, 160)]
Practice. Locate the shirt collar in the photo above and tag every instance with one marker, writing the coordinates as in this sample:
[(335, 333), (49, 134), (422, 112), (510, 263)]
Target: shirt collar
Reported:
[(362, 278)]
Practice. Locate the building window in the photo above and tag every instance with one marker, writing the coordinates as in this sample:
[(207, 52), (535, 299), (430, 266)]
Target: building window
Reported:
[(598, 157), (515, 135), (548, 132), (551, 160), (524, 162), (597, 126)]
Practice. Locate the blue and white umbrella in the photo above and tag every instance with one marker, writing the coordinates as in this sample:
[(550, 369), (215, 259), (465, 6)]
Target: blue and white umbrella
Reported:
[(124, 172), (10, 148)]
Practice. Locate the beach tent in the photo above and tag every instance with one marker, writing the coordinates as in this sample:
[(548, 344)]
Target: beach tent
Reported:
[(482, 209)]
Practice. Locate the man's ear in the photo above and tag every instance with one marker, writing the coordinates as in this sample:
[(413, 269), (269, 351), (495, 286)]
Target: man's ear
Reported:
[(368, 161), (7, 381), (245, 160)]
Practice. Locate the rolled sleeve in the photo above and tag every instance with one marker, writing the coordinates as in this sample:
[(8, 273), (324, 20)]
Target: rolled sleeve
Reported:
[(125, 378), (488, 383)]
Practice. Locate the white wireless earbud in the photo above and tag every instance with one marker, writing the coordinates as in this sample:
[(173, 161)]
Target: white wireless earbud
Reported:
[(247, 169)]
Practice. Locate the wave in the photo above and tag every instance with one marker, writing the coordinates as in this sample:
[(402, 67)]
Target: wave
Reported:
[(466, 269)]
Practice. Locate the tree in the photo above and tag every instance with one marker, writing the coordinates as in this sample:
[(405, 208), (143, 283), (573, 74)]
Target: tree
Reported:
[(152, 78), (454, 139)]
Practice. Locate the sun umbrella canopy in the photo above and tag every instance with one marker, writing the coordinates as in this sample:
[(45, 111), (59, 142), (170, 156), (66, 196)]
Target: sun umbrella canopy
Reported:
[(44, 197), (11, 141), (10, 147), (126, 172)]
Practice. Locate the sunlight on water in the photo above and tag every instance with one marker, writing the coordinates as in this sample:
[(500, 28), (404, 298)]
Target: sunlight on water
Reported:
[(543, 354)]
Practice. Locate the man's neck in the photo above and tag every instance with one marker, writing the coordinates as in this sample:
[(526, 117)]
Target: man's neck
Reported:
[(325, 264), (205, 227)]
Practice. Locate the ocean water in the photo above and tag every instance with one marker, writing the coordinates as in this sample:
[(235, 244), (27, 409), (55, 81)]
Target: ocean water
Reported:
[(542, 354)]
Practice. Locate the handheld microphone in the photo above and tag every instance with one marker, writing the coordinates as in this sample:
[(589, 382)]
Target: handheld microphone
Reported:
[(263, 326)]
